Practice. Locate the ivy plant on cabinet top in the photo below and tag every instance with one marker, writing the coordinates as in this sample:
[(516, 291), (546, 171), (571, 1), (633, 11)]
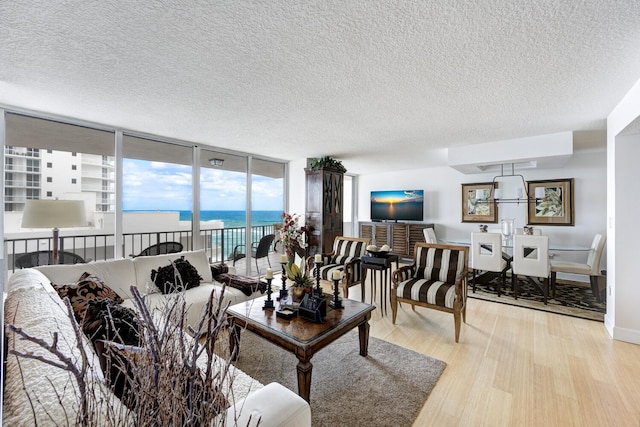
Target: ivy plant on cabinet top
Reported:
[(327, 162)]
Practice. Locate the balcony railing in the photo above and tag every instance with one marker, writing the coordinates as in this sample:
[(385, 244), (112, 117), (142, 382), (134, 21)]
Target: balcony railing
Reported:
[(218, 243)]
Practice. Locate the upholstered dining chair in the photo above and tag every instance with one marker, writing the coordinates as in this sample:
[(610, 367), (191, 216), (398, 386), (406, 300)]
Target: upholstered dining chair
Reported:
[(344, 257), (429, 235), (531, 259), (436, 279), (535, 232), (486, 255), (589, 268)]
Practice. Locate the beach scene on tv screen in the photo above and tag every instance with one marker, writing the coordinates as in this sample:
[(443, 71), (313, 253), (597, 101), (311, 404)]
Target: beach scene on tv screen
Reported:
[(397, 205)]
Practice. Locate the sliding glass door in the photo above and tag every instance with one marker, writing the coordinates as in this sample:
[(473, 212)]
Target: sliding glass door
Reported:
[(267, 205), (223, 204)]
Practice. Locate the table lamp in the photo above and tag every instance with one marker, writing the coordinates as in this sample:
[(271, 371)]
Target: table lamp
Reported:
[(54, 214)]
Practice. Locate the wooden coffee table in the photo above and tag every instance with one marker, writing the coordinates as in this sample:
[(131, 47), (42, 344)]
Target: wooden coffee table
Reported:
[(300, 336)]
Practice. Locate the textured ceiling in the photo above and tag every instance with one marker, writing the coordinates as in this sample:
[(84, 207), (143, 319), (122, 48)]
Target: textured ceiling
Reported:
[(379, 85)]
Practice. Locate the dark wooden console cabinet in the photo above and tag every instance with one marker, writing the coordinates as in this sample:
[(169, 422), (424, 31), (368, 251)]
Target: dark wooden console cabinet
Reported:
[(324, 208), (400, 236)]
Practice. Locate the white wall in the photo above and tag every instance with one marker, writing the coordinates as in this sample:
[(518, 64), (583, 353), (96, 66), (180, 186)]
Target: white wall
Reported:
[(442, 187), (623, 151), (297, 187)]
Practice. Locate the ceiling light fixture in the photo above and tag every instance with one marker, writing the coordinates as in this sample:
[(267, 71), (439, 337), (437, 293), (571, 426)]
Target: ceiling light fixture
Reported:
[(216, 162), (521, 194)]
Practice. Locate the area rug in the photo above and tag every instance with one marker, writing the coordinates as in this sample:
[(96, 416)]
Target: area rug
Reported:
[(572, 298), (388, 387)]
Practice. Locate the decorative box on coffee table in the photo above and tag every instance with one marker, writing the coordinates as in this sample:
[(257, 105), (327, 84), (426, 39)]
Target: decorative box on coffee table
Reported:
[(313, 308)]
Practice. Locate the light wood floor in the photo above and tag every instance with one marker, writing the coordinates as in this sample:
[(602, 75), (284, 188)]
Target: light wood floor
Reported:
[(519, 367)]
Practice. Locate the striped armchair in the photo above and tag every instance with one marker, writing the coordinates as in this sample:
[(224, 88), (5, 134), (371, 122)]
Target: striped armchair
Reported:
[(437, 279), (345, 257)]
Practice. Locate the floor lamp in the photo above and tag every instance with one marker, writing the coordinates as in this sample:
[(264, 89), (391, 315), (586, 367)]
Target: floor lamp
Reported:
[(54, 214)]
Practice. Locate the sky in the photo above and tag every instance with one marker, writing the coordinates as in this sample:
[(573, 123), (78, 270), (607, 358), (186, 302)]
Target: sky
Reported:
[(166, 186)]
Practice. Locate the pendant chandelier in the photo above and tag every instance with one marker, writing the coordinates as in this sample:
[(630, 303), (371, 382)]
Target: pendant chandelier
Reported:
[(521, 194)]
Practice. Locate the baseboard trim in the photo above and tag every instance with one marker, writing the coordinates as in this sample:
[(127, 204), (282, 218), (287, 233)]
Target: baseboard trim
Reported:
[(627, 335)]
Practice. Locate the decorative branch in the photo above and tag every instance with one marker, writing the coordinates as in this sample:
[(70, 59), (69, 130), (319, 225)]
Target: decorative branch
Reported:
[(166, 384)]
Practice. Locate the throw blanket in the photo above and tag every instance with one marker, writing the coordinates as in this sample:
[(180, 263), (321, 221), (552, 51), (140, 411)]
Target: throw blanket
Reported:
[(247, 285)]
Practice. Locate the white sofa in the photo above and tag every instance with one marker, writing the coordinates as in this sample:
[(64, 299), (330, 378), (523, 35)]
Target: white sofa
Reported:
[(33, 304), (121, 274)]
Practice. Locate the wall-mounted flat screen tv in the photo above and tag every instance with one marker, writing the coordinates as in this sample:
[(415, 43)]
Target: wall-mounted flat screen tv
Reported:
[(401, 205)]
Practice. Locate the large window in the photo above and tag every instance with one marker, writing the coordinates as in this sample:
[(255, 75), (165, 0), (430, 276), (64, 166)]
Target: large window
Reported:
[(156, 194), (37, 158), (51, 159)]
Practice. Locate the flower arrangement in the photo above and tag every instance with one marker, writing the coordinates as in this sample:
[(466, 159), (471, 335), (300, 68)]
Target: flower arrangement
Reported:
[(292, 236)]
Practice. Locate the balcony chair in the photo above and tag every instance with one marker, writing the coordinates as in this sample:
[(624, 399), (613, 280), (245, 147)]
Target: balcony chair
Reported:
[(34, 259), (590, 268), (258, 250), (531, 259), (430, 235), (436, 279), (161, 249), (344, 257), (486, 255)]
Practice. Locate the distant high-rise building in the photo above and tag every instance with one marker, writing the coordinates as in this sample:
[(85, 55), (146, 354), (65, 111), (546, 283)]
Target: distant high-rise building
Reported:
[(32, 173)]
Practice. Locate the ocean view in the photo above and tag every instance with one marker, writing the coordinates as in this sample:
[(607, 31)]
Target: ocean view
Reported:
[(232, 219)]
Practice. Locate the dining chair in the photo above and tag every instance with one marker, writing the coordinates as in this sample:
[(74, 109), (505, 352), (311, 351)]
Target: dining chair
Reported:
[(589, 268), (486, 255), (430, 235), (536, 231), (531, 259)]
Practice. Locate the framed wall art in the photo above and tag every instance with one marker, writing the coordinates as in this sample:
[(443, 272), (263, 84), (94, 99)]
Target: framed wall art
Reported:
[(475, 209), (556, 207)]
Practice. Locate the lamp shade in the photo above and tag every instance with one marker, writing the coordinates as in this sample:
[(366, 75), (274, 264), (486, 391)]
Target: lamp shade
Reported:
[(53, 214)]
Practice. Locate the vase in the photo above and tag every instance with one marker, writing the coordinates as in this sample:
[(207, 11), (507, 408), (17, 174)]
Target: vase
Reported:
[(298, 292), (507, 230)]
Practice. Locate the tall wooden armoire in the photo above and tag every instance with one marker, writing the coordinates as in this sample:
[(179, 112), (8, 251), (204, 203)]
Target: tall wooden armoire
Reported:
[(324, 208)]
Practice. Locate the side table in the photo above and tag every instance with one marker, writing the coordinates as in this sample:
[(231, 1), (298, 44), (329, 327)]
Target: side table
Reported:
[(381, 264)]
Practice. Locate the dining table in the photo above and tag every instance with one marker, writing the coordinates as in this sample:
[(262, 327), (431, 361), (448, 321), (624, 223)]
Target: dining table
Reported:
[(507, 248), (508, 244)]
